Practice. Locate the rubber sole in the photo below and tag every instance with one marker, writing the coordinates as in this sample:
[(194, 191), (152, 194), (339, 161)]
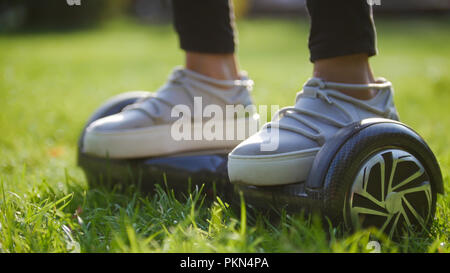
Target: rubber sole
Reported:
[(158, 140), (271, 170)]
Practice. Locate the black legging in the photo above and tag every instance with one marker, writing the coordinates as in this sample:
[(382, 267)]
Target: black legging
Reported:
[(338, 27)]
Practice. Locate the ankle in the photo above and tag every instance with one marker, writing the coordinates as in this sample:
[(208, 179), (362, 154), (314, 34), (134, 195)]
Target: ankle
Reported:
[(347, 69), (217, 66)]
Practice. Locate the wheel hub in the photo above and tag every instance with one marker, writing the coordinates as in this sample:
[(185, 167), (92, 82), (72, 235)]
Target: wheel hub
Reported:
[(393, 202), (391, 191)]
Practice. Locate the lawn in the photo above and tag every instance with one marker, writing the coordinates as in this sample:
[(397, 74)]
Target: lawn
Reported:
[(50, 82)]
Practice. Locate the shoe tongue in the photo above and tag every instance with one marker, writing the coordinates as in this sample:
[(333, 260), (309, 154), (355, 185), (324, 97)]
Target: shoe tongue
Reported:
[(184, 85), (317, 99), (308, 100), (160, 106), (173, 94)]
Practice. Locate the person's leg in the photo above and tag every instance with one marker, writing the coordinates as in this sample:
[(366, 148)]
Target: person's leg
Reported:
[(342, 38), (207, 35), (217, 66), (342, 91), (210, 78)]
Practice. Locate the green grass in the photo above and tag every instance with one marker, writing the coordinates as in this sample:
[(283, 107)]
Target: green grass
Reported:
[(51, 82)]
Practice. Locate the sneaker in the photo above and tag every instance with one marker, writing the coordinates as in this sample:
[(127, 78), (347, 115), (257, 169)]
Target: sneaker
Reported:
[(144, 129), (299, 132)]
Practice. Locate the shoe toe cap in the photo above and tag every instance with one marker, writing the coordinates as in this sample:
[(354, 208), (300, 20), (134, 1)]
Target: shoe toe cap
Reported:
[(122, 121), (104, 135), (277, 142), (286, 158)]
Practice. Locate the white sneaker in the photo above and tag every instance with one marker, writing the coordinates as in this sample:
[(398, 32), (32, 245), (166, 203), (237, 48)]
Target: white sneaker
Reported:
[(299, 132), (144, 128)]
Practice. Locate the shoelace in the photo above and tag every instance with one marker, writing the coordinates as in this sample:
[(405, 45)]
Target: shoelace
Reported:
[(191, 81), (317, 86)]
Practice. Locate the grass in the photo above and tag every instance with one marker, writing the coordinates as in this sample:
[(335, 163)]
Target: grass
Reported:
[(51, 82)]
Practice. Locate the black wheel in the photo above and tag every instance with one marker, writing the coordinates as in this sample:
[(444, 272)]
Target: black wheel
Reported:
[(383, 175)]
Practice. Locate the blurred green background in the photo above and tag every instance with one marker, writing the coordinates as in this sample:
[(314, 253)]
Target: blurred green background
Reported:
[(59, 62)]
